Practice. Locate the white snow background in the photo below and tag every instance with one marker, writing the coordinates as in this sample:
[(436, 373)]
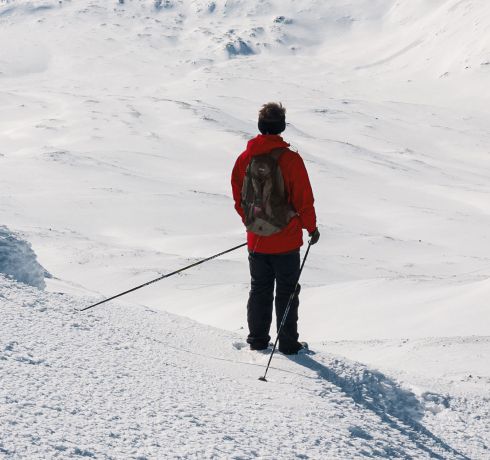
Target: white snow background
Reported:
[(119, 125)]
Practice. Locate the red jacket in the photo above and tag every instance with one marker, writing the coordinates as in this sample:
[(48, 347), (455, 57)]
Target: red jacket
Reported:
[(297, 186)]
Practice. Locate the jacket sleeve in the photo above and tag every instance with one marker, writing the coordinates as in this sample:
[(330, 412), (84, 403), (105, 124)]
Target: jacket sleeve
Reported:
[(301, 194), (236, 186)]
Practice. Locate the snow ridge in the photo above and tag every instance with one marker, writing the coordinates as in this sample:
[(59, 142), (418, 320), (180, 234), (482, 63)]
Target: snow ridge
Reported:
[(18, 260)]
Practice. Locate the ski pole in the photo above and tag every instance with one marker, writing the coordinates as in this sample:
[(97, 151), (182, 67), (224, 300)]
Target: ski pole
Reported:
[(283, 321), (164, 276)]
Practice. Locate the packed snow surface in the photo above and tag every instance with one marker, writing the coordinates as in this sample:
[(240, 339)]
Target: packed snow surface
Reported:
[(120, 122), (131, 382)]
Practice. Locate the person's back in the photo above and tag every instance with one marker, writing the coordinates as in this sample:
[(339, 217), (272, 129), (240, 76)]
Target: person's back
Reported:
[(275, 257)]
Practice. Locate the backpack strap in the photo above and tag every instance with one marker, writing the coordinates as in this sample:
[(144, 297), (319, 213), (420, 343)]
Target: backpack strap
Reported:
[(276, 153)]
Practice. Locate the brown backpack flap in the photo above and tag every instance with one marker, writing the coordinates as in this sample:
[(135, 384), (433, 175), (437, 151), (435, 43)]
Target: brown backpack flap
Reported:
[(264, 198)]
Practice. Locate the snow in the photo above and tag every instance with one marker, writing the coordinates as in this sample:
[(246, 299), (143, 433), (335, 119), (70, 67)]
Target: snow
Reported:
[(118, 150), (119, 125), (18, 261), (131, 382)]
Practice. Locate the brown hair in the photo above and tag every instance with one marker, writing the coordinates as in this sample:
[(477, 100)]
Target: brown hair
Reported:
[(272, 111), (272, 118)]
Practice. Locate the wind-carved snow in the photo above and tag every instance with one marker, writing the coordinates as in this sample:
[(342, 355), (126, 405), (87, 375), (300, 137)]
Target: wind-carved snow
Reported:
[(18, 260)]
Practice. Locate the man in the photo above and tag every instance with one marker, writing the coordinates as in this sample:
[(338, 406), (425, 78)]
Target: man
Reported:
[(273, 247)]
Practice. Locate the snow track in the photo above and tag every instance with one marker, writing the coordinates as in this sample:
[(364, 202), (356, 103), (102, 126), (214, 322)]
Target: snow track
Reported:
[(130, 382)]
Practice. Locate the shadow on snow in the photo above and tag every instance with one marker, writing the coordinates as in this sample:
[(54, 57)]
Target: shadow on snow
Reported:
[(397, 407)]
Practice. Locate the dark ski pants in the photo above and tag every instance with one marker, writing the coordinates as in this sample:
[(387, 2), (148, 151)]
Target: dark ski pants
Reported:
[(265, 270)]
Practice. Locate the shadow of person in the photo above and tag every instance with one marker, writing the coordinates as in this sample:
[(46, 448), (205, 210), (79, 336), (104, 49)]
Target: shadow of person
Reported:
[(397, 407)]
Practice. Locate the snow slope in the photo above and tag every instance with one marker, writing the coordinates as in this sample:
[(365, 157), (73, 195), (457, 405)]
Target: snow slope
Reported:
[(119, 125), (131, 382)]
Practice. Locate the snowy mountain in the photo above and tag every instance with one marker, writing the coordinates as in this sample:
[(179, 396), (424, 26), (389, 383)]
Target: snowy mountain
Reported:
[(120, 122)]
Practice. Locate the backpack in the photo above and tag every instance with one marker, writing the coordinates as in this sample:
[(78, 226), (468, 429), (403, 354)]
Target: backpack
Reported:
[(264, 197)]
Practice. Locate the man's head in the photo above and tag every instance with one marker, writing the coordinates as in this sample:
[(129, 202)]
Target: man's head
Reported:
[(272, 118)]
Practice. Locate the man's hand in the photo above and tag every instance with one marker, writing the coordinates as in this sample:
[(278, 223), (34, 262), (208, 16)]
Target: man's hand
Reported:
[(314, 236)]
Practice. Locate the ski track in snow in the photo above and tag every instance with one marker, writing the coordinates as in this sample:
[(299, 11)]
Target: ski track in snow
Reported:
[(131, 382)]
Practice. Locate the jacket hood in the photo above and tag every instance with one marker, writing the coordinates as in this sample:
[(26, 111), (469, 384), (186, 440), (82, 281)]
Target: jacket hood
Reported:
[(264, 143)]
